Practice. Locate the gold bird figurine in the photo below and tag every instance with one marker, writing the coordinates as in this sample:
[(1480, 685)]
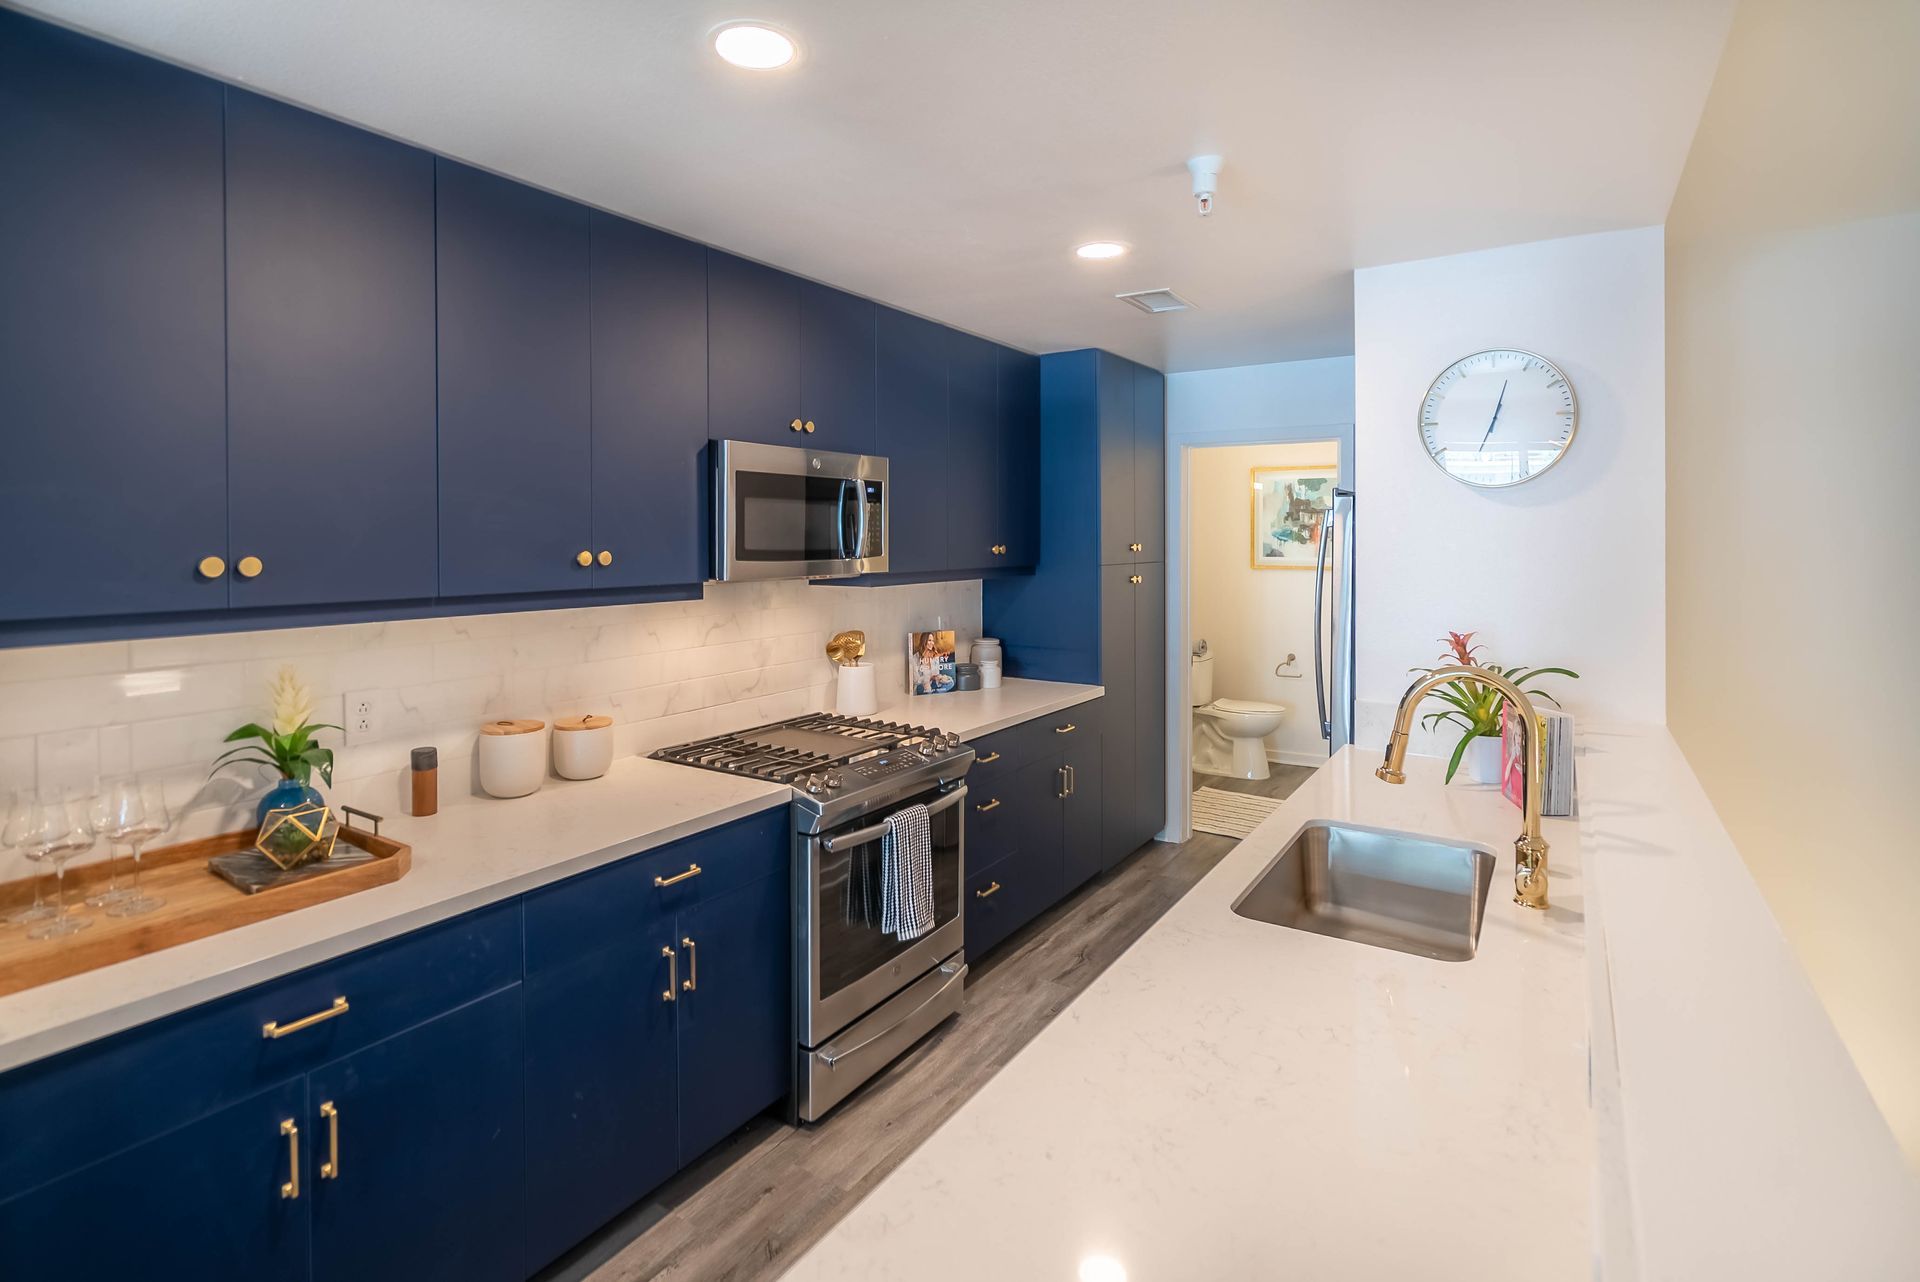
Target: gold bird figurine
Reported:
[(846, 648)]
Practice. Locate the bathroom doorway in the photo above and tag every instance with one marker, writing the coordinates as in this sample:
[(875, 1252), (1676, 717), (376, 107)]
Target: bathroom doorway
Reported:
[(1244, 722)]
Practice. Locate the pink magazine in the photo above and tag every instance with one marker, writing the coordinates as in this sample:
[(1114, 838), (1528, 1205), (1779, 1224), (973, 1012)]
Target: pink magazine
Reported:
[(1512, 778)]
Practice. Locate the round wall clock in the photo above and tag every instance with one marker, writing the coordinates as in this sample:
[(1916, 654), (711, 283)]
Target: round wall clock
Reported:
[(1498, 418)]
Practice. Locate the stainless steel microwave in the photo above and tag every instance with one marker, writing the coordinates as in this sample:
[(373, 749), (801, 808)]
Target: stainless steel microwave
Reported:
[(781, 512)]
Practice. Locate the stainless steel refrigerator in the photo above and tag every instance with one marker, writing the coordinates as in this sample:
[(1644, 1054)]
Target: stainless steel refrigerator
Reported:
[(1333, 624)]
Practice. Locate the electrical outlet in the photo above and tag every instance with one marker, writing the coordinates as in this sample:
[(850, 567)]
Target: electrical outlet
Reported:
[(363, 716)]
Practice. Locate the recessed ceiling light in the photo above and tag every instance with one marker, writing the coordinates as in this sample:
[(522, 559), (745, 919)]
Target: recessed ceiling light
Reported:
[(1101, 249), (753, 46)]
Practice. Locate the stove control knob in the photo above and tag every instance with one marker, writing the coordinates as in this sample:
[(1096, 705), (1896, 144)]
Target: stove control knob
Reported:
[(814, 785), (834, 779)]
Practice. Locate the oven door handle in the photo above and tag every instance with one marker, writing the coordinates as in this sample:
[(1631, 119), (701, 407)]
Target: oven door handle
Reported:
[(861, 836)]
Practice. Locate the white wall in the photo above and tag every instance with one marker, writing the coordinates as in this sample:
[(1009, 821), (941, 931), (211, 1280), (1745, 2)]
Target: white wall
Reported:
[(1793, 314), (1567, 569), (667, 672), (1253, 618)]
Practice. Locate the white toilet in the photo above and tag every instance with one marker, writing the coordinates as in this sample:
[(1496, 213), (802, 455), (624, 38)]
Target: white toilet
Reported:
[(1229, 735)]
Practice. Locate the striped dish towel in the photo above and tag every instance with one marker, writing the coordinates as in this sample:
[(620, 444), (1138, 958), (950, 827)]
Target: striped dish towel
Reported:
[(906, 874)]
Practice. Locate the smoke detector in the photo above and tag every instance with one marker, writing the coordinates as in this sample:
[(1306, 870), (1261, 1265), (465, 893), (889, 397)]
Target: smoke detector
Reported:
[(1155, 300), (1206, 181)]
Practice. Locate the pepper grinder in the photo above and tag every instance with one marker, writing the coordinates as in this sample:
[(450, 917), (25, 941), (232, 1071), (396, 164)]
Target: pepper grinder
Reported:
[(426, 781)]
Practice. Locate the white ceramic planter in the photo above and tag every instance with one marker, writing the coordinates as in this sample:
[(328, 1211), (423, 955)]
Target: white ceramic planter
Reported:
[(1482, 762)]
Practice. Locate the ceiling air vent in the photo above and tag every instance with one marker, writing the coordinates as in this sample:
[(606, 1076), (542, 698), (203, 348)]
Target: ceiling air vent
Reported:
[(1155, 300)]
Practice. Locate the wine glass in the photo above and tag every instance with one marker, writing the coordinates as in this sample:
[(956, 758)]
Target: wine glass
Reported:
[(17, 834), (136, 813), (59, 831), (100, 816)]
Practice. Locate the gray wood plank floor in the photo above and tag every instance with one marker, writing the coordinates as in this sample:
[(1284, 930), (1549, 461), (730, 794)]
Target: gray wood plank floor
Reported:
[(748, 1209)]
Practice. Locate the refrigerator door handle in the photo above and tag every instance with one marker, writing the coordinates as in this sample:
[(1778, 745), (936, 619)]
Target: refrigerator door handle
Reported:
[(1327, 529)]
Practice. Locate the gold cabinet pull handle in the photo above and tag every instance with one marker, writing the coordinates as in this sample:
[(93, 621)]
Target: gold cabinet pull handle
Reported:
[(991, 805), (1073, 780), (673, 973), (1069, 728), (273, 1030), (794, 426), (605, 558), (211, 567), (990, 757), (809, 427), (291, 1189), (693, 964), (330, 1169), (250, 567), (1060, 782), (994, 889), (693, 870)]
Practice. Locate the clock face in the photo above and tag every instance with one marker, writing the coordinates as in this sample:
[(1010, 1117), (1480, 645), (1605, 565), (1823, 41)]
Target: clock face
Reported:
[(1498, 418)]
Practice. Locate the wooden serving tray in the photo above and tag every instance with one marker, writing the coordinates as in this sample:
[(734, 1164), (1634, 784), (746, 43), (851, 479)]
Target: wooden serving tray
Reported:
[(198, 904)]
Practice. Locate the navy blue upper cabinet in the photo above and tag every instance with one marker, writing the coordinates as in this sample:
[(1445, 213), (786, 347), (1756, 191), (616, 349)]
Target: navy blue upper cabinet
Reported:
[(330, 357), (1019, 483), (649, 405), (972, 450), (913, 437), (112, 345), (1149, 463), (753, 352), (515, 415), (838, 398), (427, 1177)]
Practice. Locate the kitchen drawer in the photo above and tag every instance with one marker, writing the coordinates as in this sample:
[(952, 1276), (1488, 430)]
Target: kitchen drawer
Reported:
[(991, 831), (61, 1113), (1007, 894), (994, 757), (582, 914)]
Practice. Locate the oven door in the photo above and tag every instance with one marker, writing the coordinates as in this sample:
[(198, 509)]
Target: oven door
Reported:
[(786, 513), (846, 965)]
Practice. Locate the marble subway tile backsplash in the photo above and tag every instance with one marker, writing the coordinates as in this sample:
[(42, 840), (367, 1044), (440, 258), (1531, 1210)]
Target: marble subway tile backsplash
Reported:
[(665, 672)]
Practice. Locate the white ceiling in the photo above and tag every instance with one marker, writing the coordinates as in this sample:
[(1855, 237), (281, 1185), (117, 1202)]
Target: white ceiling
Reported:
[(945, 157)]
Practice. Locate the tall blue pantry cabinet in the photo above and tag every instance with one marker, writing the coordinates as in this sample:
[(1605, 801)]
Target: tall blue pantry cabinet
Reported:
[(1095, 608)]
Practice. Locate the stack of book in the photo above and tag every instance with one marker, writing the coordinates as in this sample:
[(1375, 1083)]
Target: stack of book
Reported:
[(1556, 780)]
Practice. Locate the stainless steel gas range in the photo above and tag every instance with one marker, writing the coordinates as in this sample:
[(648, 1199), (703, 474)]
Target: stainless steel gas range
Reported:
[(861, 996)]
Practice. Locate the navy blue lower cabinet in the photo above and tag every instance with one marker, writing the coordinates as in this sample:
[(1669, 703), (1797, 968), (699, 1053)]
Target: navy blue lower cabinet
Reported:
[(735, 1010), (1080, 818), (214, 1199), (602, 1083), (416, 1156)]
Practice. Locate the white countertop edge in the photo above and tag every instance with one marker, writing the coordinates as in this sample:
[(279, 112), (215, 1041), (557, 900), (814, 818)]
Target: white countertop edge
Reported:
[(1736, 1136), (977, 713)]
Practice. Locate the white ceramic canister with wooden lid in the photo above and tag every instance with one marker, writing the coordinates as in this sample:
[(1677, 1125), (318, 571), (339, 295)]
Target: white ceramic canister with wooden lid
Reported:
[(582, 746), (513, 757)]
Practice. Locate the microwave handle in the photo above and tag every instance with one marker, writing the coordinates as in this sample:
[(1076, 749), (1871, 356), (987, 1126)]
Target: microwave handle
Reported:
[(860, 836), (840, 519)]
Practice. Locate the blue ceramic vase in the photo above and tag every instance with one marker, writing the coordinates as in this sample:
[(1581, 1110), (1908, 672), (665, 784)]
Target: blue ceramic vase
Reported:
[(286, 793)]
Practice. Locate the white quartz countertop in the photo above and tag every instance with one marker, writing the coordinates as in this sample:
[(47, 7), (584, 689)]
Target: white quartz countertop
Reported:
[(1234, 1099), (472, 853)]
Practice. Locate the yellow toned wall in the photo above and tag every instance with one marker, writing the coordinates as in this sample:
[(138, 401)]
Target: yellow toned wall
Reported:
[(1793, 499)]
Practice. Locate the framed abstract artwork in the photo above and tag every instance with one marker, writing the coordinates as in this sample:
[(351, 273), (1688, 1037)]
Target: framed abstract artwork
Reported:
[(1289, 506)]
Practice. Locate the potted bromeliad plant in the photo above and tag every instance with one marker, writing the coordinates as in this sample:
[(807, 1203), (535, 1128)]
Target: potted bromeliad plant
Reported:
[(286, 747), (1476, 706)]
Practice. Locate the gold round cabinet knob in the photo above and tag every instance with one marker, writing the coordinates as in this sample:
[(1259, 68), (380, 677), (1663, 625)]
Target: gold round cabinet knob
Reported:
[(249, 567), (584, 559), (1134, 579), (211, 567), (809, 426), (606, 558), (795, 426)]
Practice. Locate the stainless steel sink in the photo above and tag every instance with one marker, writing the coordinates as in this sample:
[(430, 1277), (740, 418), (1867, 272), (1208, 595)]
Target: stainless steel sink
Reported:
[(1389, 889)]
